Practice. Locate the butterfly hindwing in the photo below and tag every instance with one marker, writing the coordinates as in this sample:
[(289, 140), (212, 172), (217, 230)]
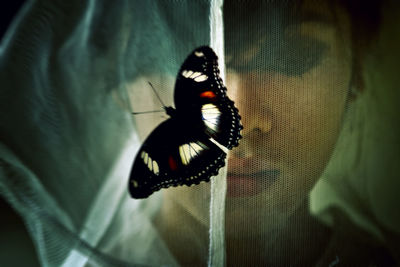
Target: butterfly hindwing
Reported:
[(171, 158)]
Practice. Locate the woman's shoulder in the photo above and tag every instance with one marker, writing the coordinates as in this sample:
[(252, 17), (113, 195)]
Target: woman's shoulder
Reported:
[(351, 245)]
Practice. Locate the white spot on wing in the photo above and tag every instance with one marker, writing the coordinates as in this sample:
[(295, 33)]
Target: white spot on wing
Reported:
[(188, 152), (195, 75), (211, 114), (151, 164), (195, 149), (156, 170), (183, 152), (198, 54), (201, 78), (187, 73)]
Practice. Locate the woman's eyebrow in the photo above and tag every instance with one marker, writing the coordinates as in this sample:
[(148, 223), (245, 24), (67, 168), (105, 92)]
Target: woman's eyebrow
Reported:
[(311, 16)]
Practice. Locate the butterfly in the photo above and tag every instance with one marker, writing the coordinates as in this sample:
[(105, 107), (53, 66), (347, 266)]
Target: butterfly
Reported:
[(179, 151)]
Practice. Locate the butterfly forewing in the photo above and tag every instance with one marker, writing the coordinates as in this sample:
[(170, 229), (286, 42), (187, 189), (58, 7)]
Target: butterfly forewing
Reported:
[(200, 95)]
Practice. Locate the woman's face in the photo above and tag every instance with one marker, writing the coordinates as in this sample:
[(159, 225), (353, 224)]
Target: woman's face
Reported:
[(289, 75), (291, 102)]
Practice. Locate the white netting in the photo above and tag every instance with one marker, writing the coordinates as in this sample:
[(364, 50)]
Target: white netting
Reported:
[(313, 182)]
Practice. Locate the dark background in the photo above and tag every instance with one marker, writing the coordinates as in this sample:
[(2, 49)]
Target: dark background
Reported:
[(16, 247)]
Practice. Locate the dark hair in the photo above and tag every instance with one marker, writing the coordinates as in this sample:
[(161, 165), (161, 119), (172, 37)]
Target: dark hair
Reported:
[(365, 18)]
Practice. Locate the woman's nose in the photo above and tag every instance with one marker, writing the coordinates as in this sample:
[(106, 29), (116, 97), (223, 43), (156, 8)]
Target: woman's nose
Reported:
[(256, 131), (255, 119), (255, 110), (252, 104)]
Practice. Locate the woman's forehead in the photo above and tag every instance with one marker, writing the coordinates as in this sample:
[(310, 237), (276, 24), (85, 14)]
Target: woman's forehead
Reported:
[(278, 13), (284, 37), (317, 11)]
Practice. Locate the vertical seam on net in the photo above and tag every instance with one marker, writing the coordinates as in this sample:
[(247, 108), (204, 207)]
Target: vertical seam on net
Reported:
[(216, 246)]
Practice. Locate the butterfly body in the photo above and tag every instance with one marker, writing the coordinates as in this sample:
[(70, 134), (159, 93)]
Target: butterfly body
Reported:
[(179, 151)]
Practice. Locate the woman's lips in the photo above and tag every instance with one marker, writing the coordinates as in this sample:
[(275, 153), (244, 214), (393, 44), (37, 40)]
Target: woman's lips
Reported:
[(250, 184), (249, 176)]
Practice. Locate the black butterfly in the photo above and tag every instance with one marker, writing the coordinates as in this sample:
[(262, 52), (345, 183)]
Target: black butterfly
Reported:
[(179, 151)]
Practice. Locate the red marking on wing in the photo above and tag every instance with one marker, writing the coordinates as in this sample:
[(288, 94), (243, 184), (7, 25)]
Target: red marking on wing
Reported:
[(172, 163), (208, 94)]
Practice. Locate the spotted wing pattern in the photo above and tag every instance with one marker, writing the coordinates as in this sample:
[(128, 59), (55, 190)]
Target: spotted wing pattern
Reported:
[(200, 95), (172, 158), (179, 151)]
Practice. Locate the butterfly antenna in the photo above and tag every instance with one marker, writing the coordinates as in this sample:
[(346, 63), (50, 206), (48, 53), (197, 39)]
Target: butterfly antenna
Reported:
[(152, 111), (154, 90), (144, 112)]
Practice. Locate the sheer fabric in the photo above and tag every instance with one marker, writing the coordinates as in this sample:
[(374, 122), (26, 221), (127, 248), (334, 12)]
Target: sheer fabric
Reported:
[(313, 182)]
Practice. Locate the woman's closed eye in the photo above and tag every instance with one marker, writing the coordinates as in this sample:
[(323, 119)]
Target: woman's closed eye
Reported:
[(292, 56)]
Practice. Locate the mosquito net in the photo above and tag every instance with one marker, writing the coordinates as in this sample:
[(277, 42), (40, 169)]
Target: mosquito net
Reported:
[(313, 181)]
